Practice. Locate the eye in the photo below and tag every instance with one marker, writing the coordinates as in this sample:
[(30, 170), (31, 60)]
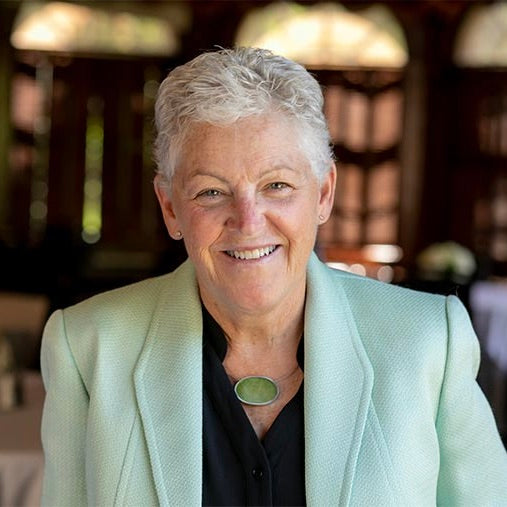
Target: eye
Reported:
[(278, 185), (210, 192)]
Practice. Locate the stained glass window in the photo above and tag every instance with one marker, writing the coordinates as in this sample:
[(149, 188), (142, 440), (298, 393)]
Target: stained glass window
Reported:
[(327, 35), (70, 27), (482, 38)]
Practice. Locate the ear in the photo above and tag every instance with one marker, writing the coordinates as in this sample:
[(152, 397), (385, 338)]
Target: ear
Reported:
[(327, 190), (167, 206)]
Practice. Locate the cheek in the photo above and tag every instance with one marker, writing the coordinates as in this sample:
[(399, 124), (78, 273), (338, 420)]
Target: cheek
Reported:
[(203, 228), (197, 219), (205, 217), (301, 217)]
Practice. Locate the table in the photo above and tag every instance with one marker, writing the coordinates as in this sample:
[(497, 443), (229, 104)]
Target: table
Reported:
[(21, 458), (489, 308), (488, 302)]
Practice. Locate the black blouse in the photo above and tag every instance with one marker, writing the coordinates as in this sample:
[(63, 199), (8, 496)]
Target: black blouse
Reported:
[(238, 468)]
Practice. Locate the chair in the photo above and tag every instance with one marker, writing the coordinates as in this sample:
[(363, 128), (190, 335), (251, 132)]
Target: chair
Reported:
[(22, 318)]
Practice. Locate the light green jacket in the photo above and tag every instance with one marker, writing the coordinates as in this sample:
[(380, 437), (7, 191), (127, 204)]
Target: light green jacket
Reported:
[(393, 415)]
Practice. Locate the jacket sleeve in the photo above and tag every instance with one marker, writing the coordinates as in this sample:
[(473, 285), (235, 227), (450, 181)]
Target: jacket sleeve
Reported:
[(473, 461), (64, 419)]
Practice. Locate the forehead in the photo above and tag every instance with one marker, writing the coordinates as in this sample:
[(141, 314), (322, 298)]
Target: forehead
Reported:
[(250, 142)]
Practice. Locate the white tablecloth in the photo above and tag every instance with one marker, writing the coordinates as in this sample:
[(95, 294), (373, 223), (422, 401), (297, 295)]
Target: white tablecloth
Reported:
[(21, 458), (488, 301)]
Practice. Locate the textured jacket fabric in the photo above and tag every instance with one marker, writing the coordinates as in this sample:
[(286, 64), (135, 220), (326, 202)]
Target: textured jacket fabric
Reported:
[(393, 415)]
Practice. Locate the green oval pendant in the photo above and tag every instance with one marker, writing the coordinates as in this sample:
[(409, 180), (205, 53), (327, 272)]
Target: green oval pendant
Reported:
[(256, 390)]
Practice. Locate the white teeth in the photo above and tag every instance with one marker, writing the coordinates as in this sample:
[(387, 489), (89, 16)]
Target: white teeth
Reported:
[(257, 253)]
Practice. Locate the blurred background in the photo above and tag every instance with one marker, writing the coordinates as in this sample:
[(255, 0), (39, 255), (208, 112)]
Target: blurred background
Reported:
[(416, 99)]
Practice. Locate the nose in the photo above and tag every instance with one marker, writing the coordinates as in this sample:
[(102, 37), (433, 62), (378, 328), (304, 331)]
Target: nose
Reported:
[(247, 215)]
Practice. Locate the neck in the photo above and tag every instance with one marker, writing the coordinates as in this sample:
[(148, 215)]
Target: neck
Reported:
[(263, 343), (260, 330)]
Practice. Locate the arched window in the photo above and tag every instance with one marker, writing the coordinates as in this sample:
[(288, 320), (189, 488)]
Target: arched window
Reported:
[(482, 38), (359, 59), (327, 35), (74, 28)]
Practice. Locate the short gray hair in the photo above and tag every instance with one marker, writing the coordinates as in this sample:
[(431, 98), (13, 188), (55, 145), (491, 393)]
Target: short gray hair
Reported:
[(224, 86)]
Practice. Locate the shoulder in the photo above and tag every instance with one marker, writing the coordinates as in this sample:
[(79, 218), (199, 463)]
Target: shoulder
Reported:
[(399, 327), (406, 336), (130, 305), (117, 305), (110, 328), (381, 300), (386, 297)]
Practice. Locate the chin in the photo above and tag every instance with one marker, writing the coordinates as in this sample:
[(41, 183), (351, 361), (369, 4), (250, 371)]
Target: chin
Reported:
[(259, 300)]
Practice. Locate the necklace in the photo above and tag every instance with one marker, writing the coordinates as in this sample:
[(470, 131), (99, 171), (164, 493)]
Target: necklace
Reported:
[(258, 390)]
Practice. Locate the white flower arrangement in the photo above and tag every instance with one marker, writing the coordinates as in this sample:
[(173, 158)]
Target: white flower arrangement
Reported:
[(447, 260)]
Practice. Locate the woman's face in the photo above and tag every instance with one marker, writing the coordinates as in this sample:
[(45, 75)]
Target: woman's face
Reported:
[(248, 204)]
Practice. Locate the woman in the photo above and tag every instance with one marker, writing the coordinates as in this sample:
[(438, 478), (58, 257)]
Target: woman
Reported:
[(187, 389)]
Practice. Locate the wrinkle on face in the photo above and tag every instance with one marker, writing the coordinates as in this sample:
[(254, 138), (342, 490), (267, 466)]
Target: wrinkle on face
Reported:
[(247, 186)]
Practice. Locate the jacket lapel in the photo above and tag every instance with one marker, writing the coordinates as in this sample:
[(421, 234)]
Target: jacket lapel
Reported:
[(168, 384), (338, 385)]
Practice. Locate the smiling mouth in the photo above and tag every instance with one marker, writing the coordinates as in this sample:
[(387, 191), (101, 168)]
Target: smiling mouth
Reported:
[(256, 253)]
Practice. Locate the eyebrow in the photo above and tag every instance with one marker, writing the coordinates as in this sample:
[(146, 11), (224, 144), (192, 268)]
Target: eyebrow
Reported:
[(205, 172), (200, 172)]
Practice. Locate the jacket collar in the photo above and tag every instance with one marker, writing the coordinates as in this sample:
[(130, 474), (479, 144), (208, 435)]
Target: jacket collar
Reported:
[(168, 387), (338, 383)]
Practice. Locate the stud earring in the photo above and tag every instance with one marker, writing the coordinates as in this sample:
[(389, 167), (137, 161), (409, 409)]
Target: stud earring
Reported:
[(179, 234), (321, 218)]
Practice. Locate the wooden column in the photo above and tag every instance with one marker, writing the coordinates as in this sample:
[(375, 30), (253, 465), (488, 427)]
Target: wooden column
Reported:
[(8, 12)]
